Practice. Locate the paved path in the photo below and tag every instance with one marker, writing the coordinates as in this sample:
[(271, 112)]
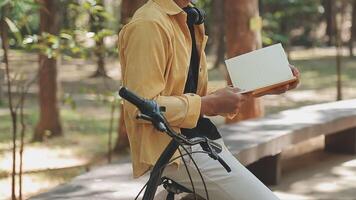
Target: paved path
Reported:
[(319, 176), (105, 183), (313, 176)]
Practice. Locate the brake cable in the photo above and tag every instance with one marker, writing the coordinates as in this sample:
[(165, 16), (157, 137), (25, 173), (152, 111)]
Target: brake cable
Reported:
[(170, 162)]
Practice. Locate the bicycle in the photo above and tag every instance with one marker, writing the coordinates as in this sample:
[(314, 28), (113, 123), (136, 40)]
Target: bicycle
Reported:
[(152, 112)]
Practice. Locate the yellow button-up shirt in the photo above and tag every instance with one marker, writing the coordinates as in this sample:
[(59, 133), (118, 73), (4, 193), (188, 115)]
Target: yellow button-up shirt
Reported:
[(155, 49)]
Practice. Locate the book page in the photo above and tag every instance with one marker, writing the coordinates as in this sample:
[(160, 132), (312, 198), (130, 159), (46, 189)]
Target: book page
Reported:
[(259, 69)]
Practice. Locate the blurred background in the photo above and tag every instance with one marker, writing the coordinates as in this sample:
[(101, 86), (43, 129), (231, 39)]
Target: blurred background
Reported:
[(59, 73)]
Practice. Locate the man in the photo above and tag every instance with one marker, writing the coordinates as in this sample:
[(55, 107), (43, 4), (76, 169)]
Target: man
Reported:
[(162, 58)]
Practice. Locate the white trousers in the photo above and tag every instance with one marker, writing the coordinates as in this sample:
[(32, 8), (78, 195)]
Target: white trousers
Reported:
[(239, 184)]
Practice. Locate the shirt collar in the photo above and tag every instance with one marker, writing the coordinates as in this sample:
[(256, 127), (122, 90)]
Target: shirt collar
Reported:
[(169, 6)]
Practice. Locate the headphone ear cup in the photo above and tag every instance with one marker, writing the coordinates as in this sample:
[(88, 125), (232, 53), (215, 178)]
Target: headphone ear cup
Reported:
[(200, 16), (195, 15)]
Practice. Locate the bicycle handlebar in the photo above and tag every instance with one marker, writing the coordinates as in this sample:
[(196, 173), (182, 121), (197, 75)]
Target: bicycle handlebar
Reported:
[(132, 98), (150, 111)]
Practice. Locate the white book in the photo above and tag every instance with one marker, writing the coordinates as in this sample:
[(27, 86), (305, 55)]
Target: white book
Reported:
[(260, 70)]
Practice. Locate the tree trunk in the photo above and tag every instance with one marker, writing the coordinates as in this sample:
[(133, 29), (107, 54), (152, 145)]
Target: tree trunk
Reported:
[(49, 122), (241, 39), (2, 82), (122, 141), (128, 8), (338, 45), (217, 34), (353, 29), (67, 20), (113, 107), (2, 71), (5, 46), (100, 59), (330, 17), (96, 25), (22, 138)]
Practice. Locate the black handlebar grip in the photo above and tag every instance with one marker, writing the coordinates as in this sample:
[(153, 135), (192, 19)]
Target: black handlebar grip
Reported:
[(132, 97)]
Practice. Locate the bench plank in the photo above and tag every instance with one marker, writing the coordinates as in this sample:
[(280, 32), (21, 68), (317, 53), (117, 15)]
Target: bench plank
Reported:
[(255, 139)]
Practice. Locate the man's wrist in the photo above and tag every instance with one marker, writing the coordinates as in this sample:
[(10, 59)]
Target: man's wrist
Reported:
[(207, 106)]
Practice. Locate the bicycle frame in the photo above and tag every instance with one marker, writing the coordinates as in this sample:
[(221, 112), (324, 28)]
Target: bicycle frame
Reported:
[(156, 173), (152, 112)]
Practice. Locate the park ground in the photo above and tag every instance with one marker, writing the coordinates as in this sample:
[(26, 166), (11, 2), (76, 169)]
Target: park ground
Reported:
[(85, 112)]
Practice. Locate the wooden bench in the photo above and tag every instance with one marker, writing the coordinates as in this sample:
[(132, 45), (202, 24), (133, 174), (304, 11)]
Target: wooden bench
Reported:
[(258, 143)]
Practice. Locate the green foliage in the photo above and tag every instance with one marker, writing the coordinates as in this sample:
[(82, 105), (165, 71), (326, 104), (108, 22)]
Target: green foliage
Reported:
[(281, 18), (21, 19), (74, 37), (53, 46), (96, 26)]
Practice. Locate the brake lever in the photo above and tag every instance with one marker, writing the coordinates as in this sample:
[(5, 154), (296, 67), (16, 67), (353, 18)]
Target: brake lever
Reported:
[(213, 154), (158, 125), (144, 117), (224, 164)]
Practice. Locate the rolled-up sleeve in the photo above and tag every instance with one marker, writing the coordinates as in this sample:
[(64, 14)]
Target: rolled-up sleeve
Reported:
[(144, 55)]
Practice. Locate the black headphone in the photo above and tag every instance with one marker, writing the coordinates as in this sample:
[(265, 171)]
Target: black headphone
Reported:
[(195, 15)]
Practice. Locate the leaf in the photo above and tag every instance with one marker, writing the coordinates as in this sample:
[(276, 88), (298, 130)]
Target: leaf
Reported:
[(30, 40), (13, 28), (86, 5), (66, 36), (52, 39)]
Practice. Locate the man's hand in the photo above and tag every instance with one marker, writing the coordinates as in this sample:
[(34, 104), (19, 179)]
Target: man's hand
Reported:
[(285, 88), (223, 101)]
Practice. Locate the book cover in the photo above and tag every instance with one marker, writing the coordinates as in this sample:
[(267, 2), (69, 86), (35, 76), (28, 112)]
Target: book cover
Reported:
[(260, 70)]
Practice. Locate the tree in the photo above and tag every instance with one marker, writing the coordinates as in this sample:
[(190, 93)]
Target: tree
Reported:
[(330, 17), (68, 15), (353, 29), (5, 47), (128, 8), (217, 33), (13, 18), (242, 31), (339, 19), (49, 121), (2, 77), (96, 25), (2, 81), (280, 24)]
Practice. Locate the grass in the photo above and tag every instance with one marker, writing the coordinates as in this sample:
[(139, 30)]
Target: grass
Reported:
[(74, 125), (320, 73), (84, 143)]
